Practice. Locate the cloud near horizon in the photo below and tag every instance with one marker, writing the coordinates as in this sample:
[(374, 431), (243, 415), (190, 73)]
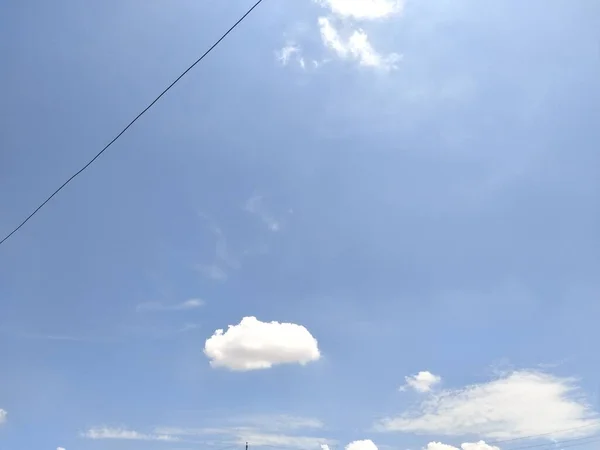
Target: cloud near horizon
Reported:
[(481, 445), (266, 430), (519, 404), (125, 434), (365, 444)]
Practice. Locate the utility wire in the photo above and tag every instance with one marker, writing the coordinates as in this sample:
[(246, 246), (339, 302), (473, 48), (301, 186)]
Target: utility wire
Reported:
[(572, 443), (240, 20), (558, 445), (533, 436)]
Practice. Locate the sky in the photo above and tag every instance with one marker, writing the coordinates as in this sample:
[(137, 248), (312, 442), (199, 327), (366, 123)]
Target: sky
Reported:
[(357, 224)]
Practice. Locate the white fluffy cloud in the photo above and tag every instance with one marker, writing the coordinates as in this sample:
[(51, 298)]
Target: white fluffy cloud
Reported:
[(126, 435), (3, 415), (366, 444), (363, 9), (422, 382), (356, 47), (253, 345), (60, 448), (481, 445), (519, 404)]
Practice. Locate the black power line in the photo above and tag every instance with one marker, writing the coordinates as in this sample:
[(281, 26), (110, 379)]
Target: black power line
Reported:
[(240, 20)]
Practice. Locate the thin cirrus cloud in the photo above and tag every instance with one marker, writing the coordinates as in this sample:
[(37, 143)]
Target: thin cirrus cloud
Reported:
[(481, 445), (260, 439), (422, 382), (3, 415), (254, 345), (183, 306), (519, 404), (281, 422), (281, 431), (256, 205), (125, 434), (224, 260)]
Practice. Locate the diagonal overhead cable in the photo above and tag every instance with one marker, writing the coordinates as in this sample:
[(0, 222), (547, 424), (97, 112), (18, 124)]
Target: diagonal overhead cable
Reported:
[(72, 177)]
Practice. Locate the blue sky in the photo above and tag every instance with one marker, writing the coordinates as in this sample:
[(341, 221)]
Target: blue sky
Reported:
[(410, 191)]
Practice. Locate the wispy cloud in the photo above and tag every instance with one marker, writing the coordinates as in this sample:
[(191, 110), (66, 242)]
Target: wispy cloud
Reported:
[(3, 415), (9, 331), (354, 43), (212, 271), (126, 434), (256, 205), (223, 260), (288, 52), (183, 306), (259, 437), (356, 47), (518, 404), (292, 53), (280, 422)]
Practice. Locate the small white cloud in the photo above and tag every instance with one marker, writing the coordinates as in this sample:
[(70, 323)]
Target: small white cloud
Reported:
[(517, 405), (422, 382), (357, 47), (324, 447), (366, 444), (60, 448), (481, 445), (126, 434), (253, 345), (363, 9), (183, 306), (3, 415), (287, 53)]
